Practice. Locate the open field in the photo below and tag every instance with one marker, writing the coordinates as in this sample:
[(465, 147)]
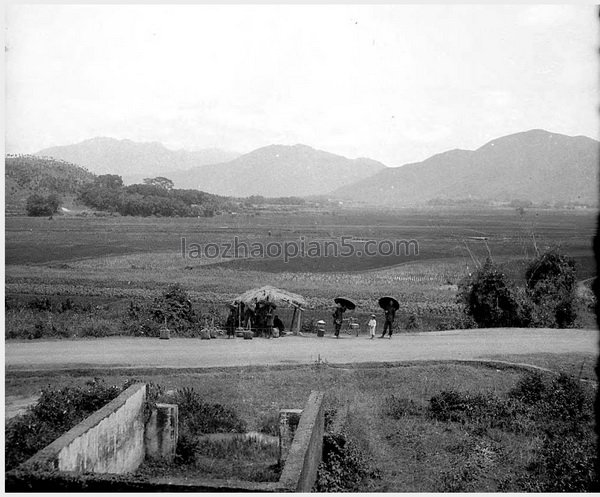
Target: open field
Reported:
[(108, 262), (412, 450), (440, 235)]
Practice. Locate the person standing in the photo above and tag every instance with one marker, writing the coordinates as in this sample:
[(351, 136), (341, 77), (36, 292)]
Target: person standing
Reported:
[(338, 316), (230, 324), (269, 323), (390, 313), (278, 323), (372, 324)]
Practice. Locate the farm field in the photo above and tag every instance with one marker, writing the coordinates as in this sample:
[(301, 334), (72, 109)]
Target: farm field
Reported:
[(109, 261)]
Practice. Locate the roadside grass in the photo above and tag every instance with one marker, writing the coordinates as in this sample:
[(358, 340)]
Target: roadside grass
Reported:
[(388, 415), (578, 365)]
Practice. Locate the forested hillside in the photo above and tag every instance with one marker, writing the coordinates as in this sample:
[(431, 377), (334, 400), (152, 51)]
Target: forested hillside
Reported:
[(28, 174)]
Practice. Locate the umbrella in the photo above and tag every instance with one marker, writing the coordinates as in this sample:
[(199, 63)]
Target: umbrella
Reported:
[(348, 304), (384, 303), (271, 295)]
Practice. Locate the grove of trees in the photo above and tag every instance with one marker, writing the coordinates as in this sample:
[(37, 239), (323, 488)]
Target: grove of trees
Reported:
[(155, 197), (548, 298)]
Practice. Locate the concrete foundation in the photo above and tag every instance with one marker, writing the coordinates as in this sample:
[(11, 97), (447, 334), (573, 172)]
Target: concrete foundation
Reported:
[(288, 422), (161, 433), (113, 440)]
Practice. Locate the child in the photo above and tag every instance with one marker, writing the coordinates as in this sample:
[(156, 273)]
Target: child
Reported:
[(372, 324)]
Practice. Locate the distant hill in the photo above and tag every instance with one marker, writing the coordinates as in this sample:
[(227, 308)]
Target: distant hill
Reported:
[(131, 160), (278, 170), (535, 165), (27, 174)]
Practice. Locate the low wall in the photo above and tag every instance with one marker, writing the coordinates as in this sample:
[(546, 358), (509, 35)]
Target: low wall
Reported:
[(300, 471), (57, 468), (109, 441)]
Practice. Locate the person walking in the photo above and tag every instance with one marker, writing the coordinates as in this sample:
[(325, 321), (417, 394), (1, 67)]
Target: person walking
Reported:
[(338, 316), (390, 313), (372, 324)]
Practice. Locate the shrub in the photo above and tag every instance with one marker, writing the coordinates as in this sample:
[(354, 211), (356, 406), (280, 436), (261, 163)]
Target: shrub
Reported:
[(530, 389), (187, 448), (398, 407), (95, 330), (173, 308), (344, 466), (38, 205), (551, 284), (558, 413), (414, 322), (196, 416), (489, 298), (270, 424), (56, 412)]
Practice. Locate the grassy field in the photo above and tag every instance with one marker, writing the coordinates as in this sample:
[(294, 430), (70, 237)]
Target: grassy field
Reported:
[(413, 451)]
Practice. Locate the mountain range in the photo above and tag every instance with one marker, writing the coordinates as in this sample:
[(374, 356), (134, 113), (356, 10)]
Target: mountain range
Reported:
[(133, 161), (534, 165), (277, 171)]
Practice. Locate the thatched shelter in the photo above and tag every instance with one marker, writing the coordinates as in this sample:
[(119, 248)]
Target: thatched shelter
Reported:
[(276, 296)]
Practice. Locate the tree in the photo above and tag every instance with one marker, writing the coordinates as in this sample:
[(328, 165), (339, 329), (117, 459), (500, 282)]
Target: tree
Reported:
[(38, 205), (111, 181), (551, 287), (160, 181), (490, 298)]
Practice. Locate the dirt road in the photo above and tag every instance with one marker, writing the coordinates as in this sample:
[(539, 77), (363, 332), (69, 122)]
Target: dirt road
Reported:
[(195, 353)]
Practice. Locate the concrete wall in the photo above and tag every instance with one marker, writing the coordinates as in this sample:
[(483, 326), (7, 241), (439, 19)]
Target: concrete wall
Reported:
[(300, 471), (112, 441), (109, 441), (162, 432)]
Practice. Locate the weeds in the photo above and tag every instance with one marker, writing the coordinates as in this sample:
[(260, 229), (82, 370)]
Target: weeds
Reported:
[(559, 412), (344, 466), (397, 407)]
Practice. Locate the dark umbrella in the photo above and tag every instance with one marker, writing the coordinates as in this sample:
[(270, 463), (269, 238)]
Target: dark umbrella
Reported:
[(348, 304), (384, 303)]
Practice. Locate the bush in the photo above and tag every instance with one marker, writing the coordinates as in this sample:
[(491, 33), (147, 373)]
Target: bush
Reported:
[(56, 412), (38, 205), (489, 298), (551, 288), (530, 389), (173, 308), (414, 322), (270, 425), (197, 417), (344, 466), (558, 413), (398, 407)]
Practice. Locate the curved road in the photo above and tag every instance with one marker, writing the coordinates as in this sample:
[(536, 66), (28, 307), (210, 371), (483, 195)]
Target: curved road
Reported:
[(196, 353)]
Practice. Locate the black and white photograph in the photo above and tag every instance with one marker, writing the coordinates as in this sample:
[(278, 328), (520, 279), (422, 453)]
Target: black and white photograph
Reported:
[(310, 247)]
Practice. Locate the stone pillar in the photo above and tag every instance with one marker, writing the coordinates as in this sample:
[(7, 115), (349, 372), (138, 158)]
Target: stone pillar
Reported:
[(288, 422), (162, 432)]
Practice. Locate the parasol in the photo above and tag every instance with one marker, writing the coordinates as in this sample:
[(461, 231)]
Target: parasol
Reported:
[(271, 295), (348, 304), (384, 303)]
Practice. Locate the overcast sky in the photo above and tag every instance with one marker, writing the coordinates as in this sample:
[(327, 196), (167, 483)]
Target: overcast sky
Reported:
[(393, 83)]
